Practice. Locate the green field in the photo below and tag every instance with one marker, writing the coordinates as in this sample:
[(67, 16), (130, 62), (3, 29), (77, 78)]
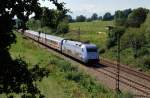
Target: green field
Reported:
[(65, 79), (91, 27)]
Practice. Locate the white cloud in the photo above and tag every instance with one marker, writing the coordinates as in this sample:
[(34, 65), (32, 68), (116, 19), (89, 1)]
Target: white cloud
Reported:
[(47, 4)]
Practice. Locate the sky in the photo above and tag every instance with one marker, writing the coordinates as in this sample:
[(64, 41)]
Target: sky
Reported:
[(88, 7)]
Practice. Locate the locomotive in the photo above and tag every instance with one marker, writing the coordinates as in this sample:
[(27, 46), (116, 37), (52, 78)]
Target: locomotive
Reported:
[(84, 52)]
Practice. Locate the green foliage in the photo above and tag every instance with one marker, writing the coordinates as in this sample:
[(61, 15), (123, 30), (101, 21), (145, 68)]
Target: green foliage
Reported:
[(63, 27), (133, 38), (69, 18), (80, 18), (137, 17), (114, 35), (53, 19), (102, 50), (49, 18), (146, 61), (145, 27), (94, 16), (31, 24), (120, 17), (107, 17)]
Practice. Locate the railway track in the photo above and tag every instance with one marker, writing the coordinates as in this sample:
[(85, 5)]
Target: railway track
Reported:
[(124, 80), (127, 82), (135, 84), (126, 69)]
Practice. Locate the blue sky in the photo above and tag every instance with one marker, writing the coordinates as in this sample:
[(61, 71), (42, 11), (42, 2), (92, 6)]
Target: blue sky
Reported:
[(88, 7)]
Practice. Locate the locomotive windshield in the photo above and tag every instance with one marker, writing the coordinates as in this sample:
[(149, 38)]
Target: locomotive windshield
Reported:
[(91, 49)]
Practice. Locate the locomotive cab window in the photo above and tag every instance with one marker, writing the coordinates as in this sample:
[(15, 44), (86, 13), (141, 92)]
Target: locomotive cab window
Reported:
[(91, 49)]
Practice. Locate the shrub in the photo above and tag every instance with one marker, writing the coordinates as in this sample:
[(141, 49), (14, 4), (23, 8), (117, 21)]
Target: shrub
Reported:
[(137, 17), (145, 61), (33, 24), (133, 38), (112, 36), (143, 51), (146, 26), (63, 27), (80, 18), (102, 50)]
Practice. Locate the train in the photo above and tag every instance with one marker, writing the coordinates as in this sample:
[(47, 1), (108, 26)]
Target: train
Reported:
[(84, 52)]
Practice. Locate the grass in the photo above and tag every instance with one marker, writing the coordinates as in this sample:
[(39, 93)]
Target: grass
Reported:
[(65, 79), (92, 27)]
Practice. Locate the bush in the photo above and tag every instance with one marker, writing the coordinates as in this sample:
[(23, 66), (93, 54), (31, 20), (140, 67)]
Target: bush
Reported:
[(112, 36), (146, 28), (80, 18), (63, 27), (145, 61), (143, 51), (33, 24), (137, 17), (133, 38), (102, 50)]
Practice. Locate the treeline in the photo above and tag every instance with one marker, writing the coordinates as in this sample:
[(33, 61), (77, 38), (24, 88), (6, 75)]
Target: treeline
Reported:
[(81, 18), (132, 29), (52, 20), (119, 16)]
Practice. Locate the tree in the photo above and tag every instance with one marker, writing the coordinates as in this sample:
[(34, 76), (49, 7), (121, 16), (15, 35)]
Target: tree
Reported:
[(14, 74), (113, 35), (146, 26), (69, 18), (127, 12), (107, 16), (100, 18), (49, 18), (80, 18), (120, 17), (134, 38), (63, 27), (94, 16), (137, 17)]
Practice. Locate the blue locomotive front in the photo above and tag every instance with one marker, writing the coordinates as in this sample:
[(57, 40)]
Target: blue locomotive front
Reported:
[(90, 53)]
